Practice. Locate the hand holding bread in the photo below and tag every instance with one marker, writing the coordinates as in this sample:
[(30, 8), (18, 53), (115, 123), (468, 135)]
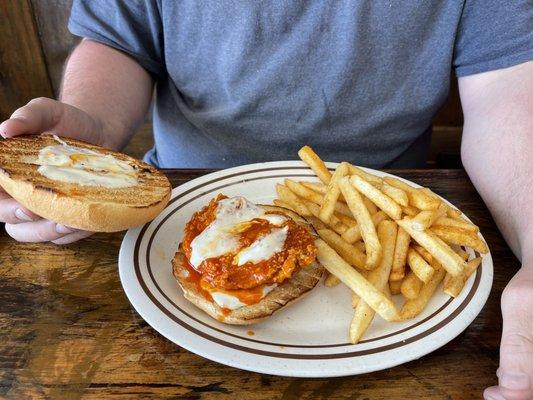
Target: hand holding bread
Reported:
[(82, 187), (41, 115)]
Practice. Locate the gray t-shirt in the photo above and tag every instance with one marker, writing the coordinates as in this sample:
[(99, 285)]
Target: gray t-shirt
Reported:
[(249, 81)]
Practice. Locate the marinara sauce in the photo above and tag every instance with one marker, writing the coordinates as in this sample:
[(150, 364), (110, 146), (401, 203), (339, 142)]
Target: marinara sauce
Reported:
[(246, 281)]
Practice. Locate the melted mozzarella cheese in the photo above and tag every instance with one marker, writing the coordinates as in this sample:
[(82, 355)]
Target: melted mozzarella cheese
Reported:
[(221, 236), (226, 300), (263, 248), (274, 219), (84, 167)]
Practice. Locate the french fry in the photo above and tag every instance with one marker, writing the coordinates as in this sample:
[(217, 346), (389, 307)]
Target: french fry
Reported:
[(332, 193), (353, 234), (360, 245), (379, 278), (453, 212), (456, 223), (413, 307), (394, 287), (300, 190), (400, 256), (384, 202), (334, 222), (423, 252), (421, 200), (425, 219), (348, 221), (281, 203), (439, 250), (461, 252), (397, 194), (410, 211), (287, 196), (319, 188), (310, 195), (387, 292), (454, 285), (350, 253), (411, 286), (398, 184), (355, 298), (417, 196), (364, 221), (452, 235), (419, 266), (315, 222), (314, 162), (373, 179), (331, 280), (315, 186), (356, 282), (371, 207)]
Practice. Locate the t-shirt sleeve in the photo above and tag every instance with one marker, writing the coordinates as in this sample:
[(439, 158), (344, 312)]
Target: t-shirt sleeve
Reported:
[(493, 34), (133, 27)]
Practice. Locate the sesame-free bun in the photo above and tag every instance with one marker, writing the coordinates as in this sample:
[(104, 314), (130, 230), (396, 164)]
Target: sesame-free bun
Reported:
[(288, 292), (91, 208)]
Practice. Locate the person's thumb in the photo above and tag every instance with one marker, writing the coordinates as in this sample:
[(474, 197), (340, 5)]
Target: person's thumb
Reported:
[(515, 374), (51, 116)]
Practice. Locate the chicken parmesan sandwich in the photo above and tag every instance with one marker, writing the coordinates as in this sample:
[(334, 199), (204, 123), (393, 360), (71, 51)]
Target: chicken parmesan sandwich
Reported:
[(241, 262)]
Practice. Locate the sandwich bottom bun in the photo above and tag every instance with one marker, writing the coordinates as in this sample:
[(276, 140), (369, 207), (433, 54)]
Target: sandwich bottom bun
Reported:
[(288, 292), (91, 208)]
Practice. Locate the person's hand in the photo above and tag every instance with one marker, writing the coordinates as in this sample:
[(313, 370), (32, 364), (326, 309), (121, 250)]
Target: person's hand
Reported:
[(50, 116), (25, 226), (515, 374)]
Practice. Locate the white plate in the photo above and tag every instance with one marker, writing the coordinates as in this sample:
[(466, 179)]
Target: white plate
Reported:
[(309, 338)]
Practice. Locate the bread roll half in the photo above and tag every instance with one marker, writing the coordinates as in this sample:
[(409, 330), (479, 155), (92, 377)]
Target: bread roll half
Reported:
[(92, 208)]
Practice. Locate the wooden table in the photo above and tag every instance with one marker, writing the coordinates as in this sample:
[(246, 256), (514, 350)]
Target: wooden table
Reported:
[(68, 331)]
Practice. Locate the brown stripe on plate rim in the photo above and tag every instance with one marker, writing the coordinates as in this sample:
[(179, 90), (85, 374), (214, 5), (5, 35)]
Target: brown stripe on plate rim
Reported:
[(235, 346)]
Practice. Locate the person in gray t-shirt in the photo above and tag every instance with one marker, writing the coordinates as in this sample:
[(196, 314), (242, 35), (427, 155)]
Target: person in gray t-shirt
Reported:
[(242, 82)]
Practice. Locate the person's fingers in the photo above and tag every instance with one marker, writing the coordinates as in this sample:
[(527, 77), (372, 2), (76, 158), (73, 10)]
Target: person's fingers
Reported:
[(73, 237), (37, 116), (493, 393), (12, 212), (38, 231), (499, 393), (515, 375), (43, 115)]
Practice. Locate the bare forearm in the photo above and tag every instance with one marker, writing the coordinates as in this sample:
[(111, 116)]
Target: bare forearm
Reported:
[(109, 86), (497, 150)]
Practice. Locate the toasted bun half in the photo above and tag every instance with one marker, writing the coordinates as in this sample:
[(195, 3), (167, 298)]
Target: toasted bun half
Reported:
[(92, 208), (292, 289)]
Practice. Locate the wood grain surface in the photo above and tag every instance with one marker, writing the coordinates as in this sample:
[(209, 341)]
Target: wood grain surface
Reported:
[(57, 42), (67, 330), (23, 73)]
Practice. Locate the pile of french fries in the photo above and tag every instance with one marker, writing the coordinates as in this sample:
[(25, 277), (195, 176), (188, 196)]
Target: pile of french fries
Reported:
[(381, 237)]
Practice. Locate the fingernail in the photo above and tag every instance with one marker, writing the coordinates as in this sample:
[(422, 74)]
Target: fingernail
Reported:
[(514, 380), (62, 229), (22, 215), (493, 396)]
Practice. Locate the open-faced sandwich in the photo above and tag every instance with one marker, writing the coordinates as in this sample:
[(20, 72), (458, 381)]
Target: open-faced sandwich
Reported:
[(241, 262)]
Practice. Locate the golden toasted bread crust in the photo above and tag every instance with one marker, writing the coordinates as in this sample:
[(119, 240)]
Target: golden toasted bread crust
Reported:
[(92, 208), (299, 284)]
